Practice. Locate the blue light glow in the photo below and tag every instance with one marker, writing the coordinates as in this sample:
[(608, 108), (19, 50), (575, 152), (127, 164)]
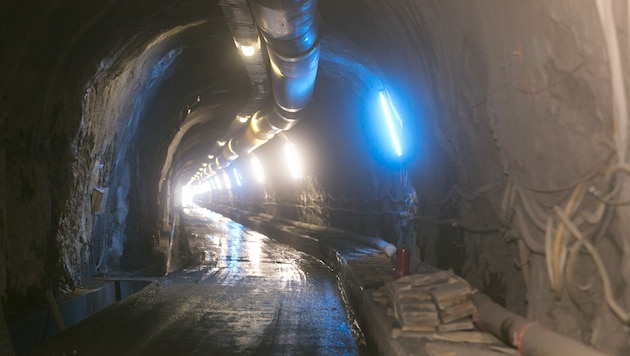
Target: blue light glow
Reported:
[(237, 177), (226, 181), (391, 115)]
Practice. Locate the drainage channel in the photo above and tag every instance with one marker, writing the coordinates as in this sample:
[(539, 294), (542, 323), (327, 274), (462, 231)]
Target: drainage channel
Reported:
[(33, 329)]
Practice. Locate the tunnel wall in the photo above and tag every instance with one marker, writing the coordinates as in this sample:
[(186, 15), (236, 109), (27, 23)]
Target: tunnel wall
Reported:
[(512, 110), (518, 98), (41, 114), (78, 82)]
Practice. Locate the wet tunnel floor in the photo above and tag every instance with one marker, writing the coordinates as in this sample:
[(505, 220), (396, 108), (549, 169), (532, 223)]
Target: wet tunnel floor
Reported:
[(247, 294)]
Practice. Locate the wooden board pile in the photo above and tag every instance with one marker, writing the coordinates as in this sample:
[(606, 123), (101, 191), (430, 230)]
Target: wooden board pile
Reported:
[(428, 302)]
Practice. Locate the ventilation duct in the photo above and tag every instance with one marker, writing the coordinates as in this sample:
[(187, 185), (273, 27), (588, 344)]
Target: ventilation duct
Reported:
[(290, 30)]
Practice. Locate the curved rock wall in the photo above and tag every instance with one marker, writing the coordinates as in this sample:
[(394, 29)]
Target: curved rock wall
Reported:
[(511, 108), (516, 99), (79, 81)]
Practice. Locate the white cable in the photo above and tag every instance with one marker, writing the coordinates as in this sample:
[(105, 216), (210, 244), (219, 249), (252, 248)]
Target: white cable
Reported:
[(620, 108)]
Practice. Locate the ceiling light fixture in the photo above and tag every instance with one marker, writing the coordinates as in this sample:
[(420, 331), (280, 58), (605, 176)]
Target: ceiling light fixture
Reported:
[(392, 118), (248, 51)]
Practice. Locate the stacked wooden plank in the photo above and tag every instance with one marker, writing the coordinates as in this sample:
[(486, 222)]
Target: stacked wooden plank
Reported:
[(428, 302), (372, 271)]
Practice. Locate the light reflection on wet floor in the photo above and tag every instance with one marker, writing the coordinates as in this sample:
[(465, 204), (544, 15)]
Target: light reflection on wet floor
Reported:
[(286, 311), (248, 294)]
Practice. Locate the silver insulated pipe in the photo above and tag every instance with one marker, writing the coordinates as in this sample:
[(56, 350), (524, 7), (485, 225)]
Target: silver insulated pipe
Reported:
[(290, 30)]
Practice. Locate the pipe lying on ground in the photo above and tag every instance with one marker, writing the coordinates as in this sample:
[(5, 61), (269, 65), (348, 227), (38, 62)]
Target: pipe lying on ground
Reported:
[(529, 337)]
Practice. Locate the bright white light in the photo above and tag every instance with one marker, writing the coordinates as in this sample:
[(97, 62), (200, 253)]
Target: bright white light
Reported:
[(259, 171), (242, 119), (218, 183), (214, 186), (187, 196), (221, 143), (226, 180), (237, 177), (205, 186), (390, 115), (293, 161), (210, 157), (248, 51)]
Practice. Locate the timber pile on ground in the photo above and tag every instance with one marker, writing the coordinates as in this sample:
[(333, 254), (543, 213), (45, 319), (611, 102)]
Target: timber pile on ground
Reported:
[(433, 302)]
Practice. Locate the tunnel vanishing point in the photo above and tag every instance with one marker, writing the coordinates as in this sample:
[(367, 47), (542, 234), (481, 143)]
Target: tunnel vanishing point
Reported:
[(488, 137)]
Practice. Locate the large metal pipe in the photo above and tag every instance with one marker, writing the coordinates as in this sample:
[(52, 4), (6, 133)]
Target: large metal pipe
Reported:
[(264, 125), (290, 30), (529, 337)]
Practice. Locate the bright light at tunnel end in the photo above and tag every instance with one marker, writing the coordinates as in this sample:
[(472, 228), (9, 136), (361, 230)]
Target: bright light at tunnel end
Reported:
[(237, 177), (187, 195), (392, 118), (248, 51), (293, 161), (259, 171), (226, 181)]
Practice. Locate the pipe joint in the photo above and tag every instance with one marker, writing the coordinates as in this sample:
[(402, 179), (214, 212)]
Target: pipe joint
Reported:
[(247, 141), (222, 162), (284, 19), (228, 153), (531, 338), (293, 79), (290, 29), (262, 125), (208, 171), (295, 47)]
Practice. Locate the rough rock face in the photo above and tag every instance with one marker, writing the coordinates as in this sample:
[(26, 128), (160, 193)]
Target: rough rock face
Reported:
[(517, 99), (515, 137), (82, 85)]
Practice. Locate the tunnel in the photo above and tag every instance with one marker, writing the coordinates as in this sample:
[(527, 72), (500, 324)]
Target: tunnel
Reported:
[(481, 137)]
